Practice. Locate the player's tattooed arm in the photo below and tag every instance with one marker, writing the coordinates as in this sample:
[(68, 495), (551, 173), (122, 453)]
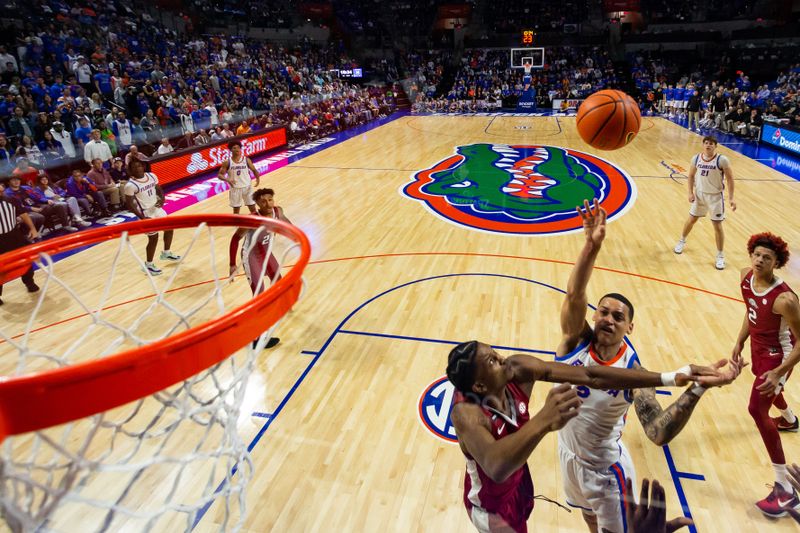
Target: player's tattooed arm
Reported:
[(662, 425)]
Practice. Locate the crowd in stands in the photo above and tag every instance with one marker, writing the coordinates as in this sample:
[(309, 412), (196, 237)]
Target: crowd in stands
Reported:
[(510, 16), (714, 97), (683, 11), (486, 79), (83, 84)]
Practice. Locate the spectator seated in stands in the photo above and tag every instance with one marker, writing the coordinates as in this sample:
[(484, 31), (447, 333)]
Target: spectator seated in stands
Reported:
[(105, 183), (57, 195), (43, 211), (79, 186), (165, 147)]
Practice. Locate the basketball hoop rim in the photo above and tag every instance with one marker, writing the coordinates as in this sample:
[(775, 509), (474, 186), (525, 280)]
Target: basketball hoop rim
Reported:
[(53, 397)]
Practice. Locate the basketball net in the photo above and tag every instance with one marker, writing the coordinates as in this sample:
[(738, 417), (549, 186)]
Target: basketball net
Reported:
[(527, 68), (157, 463)]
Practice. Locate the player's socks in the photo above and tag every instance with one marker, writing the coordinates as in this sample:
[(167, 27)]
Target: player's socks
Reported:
[(788, 415), (782, 477)]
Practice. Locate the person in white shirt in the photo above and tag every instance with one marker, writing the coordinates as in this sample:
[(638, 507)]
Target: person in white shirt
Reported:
[(64, 138), (5, 59), (164, 147), (214, 115), (96, 149)]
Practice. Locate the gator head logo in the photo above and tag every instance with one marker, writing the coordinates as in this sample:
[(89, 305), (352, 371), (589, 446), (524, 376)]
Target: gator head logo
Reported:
[(520, 190)]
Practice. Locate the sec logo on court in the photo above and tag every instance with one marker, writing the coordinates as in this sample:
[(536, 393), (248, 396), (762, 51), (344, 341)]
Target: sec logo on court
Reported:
[(434, 408), (520, 189)]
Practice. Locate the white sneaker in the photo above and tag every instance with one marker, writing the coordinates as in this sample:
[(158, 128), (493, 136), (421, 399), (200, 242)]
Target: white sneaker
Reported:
[(720, 264), (152, 269), (679, 247), (71, 229), (79, 221), (167, 255)]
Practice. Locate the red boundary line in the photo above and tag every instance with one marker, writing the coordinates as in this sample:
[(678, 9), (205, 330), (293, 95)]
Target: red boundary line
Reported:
[(410, 254)]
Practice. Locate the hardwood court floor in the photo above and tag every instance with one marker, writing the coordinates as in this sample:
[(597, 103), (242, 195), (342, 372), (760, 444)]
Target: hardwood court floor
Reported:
[(346, 449)]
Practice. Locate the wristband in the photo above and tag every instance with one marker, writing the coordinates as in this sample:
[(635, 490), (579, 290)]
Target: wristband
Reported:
[(668, 378), (698, 390)]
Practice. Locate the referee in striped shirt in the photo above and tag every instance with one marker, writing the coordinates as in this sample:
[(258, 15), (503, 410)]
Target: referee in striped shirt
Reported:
[(12, 236)]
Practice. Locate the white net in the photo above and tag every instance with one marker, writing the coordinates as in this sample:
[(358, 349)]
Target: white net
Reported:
[(166, 461)]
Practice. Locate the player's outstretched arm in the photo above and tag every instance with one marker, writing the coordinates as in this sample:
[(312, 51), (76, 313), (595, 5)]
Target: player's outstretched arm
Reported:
[(573, 311), (501, 458), (788, 306), (529, 369), (233, 249), (662, 425)]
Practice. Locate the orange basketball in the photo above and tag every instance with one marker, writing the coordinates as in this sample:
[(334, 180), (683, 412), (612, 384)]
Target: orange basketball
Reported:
[(608, 119)]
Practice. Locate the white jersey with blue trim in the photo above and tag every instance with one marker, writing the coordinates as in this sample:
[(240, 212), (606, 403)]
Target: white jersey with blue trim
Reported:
[(593, 436)]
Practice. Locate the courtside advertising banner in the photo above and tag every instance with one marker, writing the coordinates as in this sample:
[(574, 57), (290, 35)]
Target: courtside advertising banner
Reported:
[(185, 165), (783, 137)]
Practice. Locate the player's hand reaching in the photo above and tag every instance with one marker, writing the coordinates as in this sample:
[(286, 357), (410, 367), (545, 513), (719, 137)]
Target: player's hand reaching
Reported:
[(560, 407), (736, 354), (232, 273), (718, 374), (650, 514), (594, 221)]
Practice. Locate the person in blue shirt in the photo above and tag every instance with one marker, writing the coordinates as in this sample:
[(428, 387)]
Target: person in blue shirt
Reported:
[(102, 82)]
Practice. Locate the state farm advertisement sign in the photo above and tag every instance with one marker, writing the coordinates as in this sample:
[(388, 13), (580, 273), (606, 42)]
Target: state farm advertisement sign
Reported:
[(184, 165)]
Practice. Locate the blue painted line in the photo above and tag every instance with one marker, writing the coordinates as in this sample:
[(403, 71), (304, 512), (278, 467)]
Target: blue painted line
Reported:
[(439, 341), (308, 352), (262, 415), (664, 392), (689, 475), (676, 480)]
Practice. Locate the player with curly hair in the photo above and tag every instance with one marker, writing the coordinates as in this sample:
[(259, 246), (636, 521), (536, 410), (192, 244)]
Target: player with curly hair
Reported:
[(772, 321)]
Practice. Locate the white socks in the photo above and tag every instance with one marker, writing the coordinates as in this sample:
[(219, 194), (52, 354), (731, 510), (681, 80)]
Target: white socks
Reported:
[(782, 477), (788, 415)]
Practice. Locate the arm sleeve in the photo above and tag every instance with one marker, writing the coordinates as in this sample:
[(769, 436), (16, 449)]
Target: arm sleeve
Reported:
[(233, 248)]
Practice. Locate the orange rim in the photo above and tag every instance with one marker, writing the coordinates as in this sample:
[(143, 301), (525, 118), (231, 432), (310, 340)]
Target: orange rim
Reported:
[(46, 399)]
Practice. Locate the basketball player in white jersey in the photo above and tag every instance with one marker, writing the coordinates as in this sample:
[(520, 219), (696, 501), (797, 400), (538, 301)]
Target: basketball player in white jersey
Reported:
[(594, 461), (706, 186), (236, 171), (256, 252), (145, 199)]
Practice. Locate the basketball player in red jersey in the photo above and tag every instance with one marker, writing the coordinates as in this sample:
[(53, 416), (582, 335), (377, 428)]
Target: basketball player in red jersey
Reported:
[(257, 247), (772, 321)]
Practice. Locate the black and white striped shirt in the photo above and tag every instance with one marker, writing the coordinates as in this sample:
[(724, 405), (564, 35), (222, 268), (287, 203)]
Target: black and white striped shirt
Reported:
[(8, 215)]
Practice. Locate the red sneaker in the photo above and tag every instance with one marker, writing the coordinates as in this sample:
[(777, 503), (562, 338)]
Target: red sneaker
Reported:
[(783, 425), (777, 501)]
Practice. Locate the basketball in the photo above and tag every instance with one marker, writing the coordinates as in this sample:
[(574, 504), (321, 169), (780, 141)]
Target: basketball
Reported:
[(608, 120)]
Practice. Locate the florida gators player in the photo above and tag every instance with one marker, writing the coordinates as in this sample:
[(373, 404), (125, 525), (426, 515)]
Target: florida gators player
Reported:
[(594, 461), (260, 265), (772, 321)]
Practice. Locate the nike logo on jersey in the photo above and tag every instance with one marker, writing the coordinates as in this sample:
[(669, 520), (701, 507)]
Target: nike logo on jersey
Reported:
[(501, 428)]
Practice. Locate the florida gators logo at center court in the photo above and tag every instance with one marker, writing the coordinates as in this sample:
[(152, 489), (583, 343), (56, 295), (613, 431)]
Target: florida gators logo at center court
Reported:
[(520, 190)]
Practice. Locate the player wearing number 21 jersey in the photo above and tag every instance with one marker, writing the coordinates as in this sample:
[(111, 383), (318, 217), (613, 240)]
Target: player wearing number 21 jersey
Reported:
[(772, 321)]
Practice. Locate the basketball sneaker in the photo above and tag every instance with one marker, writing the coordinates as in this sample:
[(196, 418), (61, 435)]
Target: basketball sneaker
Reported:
[(679, 247), (152, 269), (271, 343), (167, 255), (777, 501), (783, 425), (720, 262)]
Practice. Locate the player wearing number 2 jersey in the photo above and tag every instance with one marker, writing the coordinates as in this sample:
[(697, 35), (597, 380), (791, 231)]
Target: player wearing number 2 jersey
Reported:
[(772, 321), (707, 177), (236, 171)]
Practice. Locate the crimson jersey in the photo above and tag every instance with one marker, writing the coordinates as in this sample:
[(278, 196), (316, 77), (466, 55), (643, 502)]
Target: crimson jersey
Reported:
[(513, 498), (771, 340), (256, 248)]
